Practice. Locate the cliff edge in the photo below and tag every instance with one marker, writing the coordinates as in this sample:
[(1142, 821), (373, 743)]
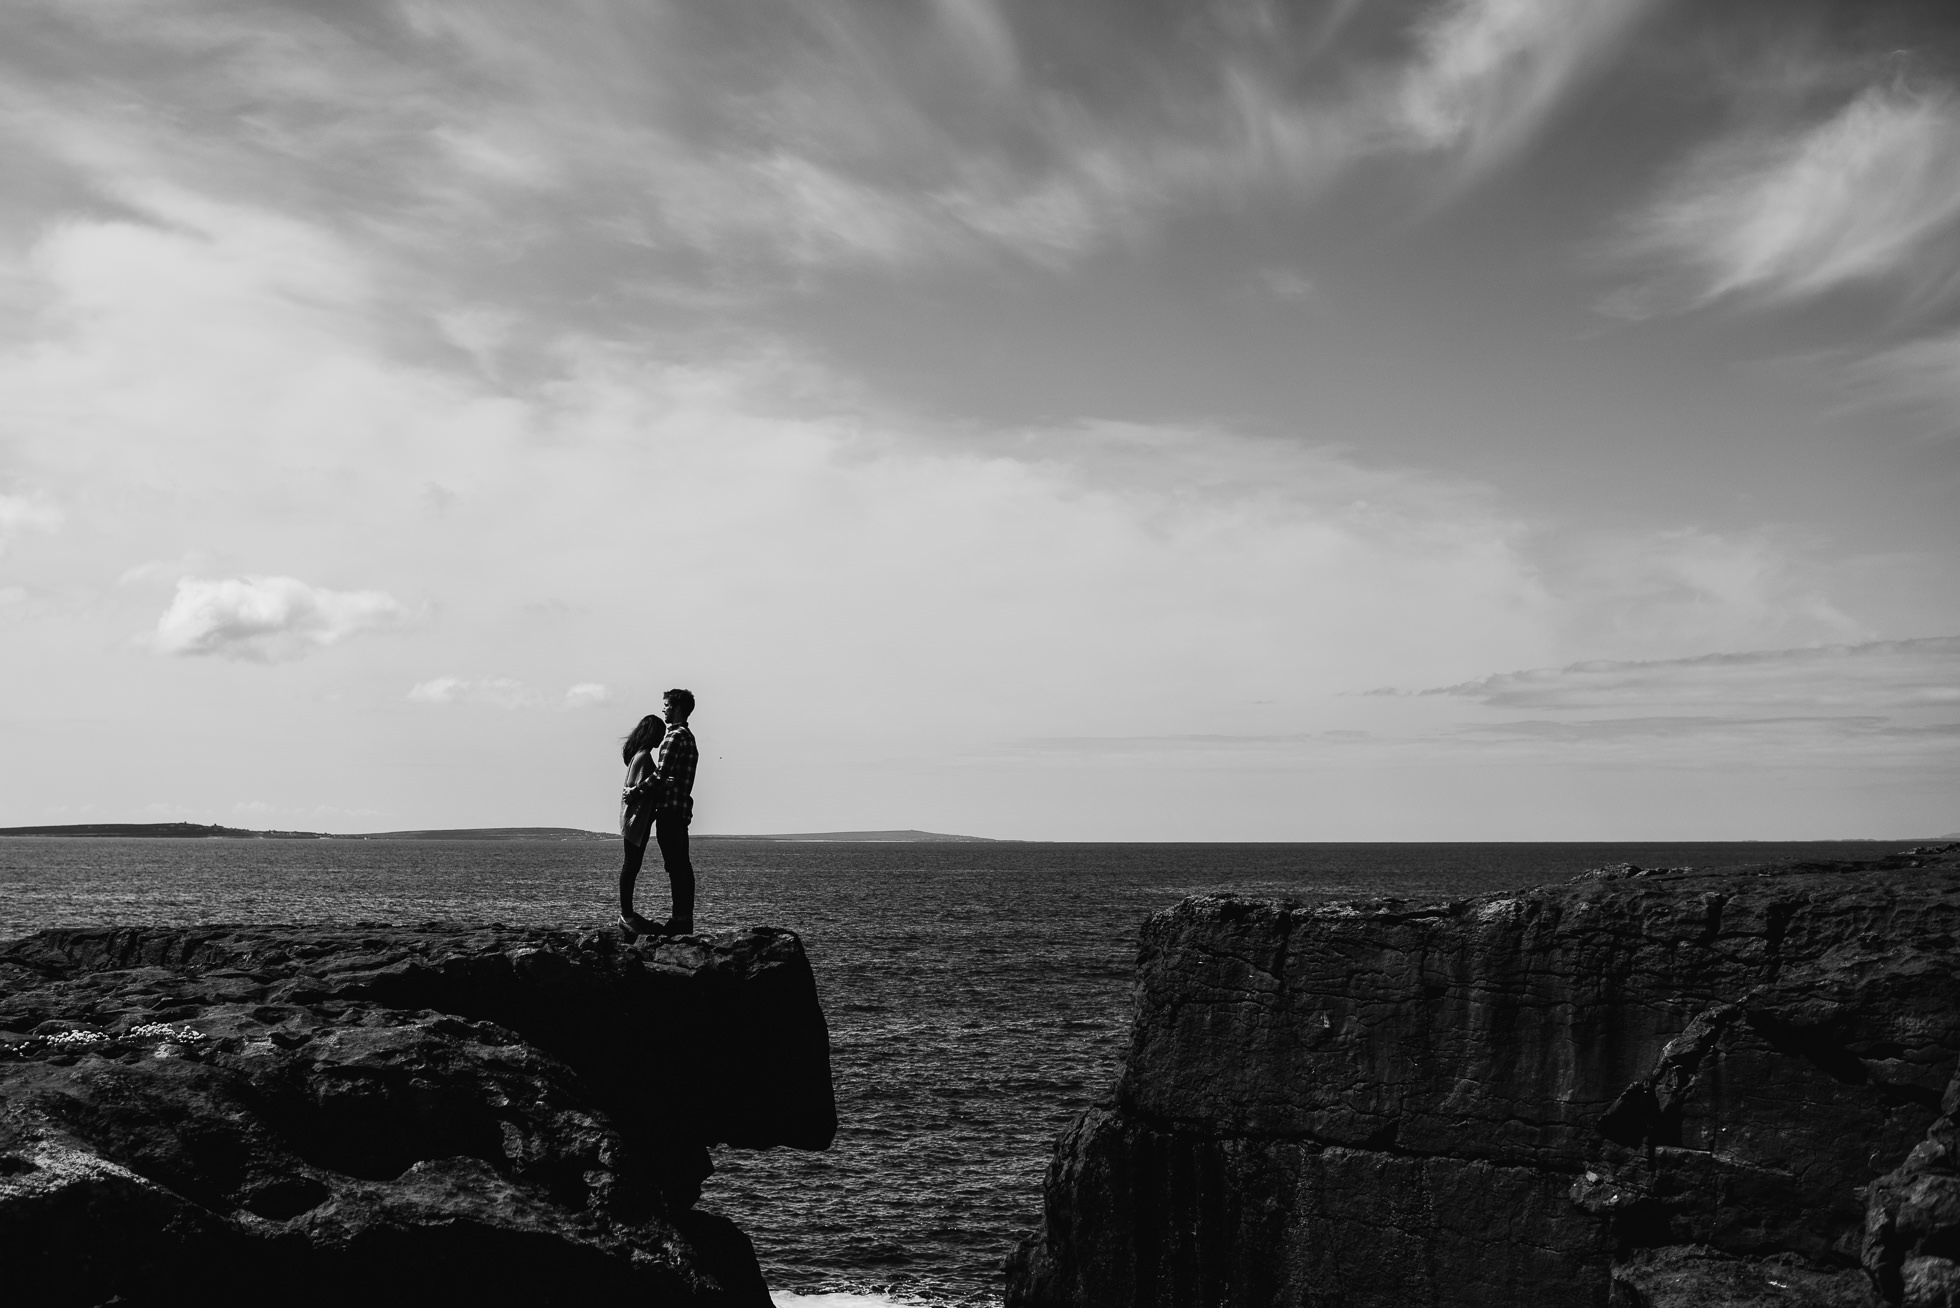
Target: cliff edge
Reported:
[(393, 1115), (1659, 1088)]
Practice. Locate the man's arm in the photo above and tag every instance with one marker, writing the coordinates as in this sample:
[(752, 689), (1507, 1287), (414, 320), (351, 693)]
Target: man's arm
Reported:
[(643, 774)]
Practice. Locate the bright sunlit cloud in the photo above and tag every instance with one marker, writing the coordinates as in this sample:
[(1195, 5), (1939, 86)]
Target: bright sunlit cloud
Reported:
[(267, 618)]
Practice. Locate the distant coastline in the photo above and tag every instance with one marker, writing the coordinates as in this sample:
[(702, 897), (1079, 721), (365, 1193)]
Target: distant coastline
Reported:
[(860, 837), (210, 831)]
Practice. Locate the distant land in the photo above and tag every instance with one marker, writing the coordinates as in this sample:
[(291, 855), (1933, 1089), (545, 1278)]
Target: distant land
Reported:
[(207, 831), (888, 837), (159, 831)]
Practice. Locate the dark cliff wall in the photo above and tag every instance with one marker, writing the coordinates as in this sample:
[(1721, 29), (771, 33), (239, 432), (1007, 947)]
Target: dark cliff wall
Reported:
[(393, 1115), (1669, 1088)]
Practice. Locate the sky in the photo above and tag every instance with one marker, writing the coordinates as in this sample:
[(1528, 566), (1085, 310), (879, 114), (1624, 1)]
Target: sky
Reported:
[(1114, 420)]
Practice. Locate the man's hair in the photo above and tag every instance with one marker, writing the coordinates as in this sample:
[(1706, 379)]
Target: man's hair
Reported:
[(681, 699)]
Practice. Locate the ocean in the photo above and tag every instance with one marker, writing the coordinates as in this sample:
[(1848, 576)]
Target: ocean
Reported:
[(978, 995)]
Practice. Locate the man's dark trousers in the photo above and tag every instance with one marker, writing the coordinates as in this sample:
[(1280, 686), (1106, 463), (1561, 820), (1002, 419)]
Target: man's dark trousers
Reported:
[(670, 833)]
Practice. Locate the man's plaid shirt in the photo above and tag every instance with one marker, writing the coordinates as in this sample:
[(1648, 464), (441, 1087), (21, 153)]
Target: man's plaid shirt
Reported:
[(675, 765)]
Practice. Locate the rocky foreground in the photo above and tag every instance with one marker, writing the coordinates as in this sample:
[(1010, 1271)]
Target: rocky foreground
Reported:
[(1645, 1089), (392, 1115)]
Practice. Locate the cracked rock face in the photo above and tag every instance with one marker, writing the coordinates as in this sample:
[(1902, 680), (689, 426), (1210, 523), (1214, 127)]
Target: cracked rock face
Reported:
[(1912, 1225), (1672, 1088), (392, 1115)]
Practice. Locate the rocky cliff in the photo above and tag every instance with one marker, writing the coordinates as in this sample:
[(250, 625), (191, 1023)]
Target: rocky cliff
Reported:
[(392, 1115), (1662, 1088)]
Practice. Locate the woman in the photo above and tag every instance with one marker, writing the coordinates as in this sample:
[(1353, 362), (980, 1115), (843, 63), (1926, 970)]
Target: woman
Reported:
[(636, 804)]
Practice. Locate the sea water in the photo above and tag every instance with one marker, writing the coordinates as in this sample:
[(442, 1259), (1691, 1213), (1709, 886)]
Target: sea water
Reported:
[(978, 995)]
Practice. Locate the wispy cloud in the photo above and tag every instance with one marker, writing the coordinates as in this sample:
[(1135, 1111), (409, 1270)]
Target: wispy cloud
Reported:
[(1725, 742), (1487, 72), (1922, 374), (587, 694), (1660, 591), (1897, 674), (1869, 195), (505, 693), (1184, 744), (877, 137), (264, 619), (24, 513), (1677, 726)]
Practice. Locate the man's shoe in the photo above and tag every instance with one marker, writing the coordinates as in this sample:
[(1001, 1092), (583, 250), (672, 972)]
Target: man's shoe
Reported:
[(674, 927)]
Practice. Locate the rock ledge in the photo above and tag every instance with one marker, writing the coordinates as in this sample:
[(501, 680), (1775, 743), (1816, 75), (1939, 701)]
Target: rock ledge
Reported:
[(393, 1114), (1663, 1088)]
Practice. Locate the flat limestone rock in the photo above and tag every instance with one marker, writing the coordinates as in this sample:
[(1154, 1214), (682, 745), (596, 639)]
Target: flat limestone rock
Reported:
[(1699, 1277), (393, 1114), (1528, 1099)]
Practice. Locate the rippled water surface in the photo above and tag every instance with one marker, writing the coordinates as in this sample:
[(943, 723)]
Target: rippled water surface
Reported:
[(977, 994)]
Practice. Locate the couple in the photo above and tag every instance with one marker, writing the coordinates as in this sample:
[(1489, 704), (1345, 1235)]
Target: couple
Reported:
[(660, 761)]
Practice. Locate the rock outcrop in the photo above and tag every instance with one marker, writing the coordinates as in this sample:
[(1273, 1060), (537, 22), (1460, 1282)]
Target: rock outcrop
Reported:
[(393, 1115), (1661, 1089)]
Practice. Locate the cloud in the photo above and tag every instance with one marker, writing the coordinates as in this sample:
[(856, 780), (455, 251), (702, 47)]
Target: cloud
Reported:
[(504, 692), (1672, 728), (1286, 284), (1728, 743), (24, 513), (753, 484), (778, 496), (587, 694), (1487, 72), (477, 138), (747, 522), (1899, 675), (1204, 749), (1866, 196), (1866, 707), (1662, 591), (1922, 375), (267, 618)]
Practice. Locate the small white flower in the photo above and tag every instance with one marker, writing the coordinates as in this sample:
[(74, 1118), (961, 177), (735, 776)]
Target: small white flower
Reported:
[(77, 1038), (164, 1031)]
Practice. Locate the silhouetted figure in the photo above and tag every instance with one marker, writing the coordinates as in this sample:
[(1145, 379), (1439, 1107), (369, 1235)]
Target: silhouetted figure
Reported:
[(637, 802), (673, 809)]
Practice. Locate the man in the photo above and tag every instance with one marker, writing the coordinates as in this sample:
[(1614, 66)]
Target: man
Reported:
[(673, 809)]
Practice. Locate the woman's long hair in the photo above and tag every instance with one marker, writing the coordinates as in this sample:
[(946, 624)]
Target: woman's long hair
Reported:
[(644, 736)]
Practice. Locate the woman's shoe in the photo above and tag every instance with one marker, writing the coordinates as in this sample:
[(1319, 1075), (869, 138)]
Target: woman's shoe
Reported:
[(633, 926)]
